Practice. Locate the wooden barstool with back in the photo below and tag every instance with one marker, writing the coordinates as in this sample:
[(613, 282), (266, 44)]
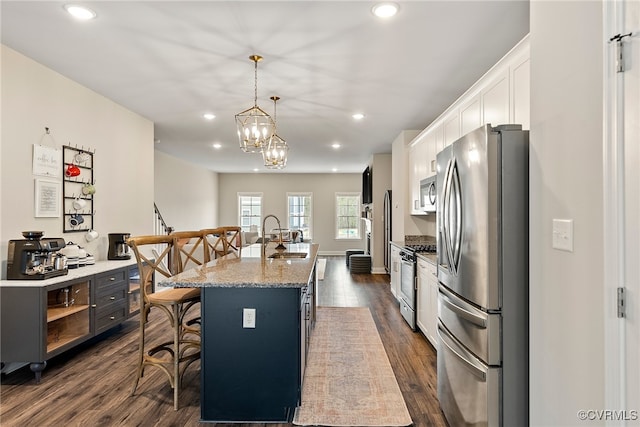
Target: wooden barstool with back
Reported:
[(156, 254), (222, 241)]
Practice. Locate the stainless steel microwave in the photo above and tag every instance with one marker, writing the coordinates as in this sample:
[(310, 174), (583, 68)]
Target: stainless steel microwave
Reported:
[(428, 194)]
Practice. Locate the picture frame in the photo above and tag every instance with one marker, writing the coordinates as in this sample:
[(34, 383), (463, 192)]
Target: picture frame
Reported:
[(47, 198)]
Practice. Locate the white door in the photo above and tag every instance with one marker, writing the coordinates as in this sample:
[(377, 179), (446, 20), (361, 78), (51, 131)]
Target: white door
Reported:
[(632, 205), (622, 212)]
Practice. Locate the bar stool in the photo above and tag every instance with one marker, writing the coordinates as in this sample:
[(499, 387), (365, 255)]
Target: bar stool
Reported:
[(174, 303), (233, 237), (189, 251), (215, 242)]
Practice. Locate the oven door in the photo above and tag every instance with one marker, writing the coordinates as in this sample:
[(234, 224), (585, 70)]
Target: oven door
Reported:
[(468, 390)]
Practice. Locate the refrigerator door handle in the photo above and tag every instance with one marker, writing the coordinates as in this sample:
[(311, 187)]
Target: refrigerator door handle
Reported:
[(446, 212), (456, 247), (461, 354), (460, 311)]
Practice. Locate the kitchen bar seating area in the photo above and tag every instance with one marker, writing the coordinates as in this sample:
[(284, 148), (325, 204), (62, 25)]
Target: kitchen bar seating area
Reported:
[(75, 372)]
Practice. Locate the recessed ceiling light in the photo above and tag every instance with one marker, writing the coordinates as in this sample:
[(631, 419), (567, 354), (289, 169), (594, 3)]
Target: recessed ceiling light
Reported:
[(358, 116), (385, 10), (209, 116), (256, 169), (334, 170), (80, 12), (217, 145), (335, 145)]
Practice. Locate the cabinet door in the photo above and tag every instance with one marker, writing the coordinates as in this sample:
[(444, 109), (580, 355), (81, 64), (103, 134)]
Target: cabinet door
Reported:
[(395, 271), (414, 190), (423, 308), (432, 316), (495, 101), (451, 129), (68, 315), (436, 145), (470, 117), (520, 92)]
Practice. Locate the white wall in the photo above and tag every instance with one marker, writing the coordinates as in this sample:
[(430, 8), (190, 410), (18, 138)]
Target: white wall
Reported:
[(186, 194), (566, 288), (275, 186), (381, 173), (34, 97)]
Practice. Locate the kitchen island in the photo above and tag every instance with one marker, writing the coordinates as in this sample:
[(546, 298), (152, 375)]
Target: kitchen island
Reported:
[(257, 314)]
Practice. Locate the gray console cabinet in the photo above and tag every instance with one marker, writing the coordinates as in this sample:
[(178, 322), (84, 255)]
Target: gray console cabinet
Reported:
[(40, 322)]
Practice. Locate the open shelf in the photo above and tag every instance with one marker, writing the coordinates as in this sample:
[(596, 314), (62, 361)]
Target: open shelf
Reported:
[(56, 313)]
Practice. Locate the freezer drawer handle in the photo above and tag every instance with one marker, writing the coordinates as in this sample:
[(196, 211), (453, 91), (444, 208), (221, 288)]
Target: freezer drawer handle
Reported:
[(474, 369), (472, 317)]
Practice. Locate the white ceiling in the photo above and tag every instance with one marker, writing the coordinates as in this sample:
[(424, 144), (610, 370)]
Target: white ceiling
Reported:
[(173, 61)]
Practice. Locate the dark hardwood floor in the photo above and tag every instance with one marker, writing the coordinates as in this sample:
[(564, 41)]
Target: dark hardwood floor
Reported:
[(90, 386)]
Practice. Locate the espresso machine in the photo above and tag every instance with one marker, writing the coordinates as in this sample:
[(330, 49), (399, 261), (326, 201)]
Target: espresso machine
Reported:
[(35, 258), (118, 248)]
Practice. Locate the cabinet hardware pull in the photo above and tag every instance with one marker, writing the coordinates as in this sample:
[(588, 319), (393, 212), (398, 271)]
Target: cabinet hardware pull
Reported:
[(112, 278), (94, 305), (112, 298), (112, 317)]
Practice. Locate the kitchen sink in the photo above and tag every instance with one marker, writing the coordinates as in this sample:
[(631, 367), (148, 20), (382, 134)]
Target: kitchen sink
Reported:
[(288, 255)]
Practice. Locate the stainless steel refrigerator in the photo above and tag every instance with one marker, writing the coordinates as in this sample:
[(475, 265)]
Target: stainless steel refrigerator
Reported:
[(483, 306)]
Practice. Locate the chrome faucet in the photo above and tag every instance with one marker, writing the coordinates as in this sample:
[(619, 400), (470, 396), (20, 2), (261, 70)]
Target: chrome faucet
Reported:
[(264, 243)]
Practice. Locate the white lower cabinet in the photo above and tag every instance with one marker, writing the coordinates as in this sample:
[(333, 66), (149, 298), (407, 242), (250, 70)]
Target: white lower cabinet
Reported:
[(395, 270), (427, 316)]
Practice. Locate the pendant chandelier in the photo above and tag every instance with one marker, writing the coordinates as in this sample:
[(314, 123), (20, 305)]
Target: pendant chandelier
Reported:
[(255, 127), (276, 150)]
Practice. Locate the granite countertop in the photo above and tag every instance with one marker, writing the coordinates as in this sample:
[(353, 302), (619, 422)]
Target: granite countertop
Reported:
[(251, 270), (74, 273), (429, 257)]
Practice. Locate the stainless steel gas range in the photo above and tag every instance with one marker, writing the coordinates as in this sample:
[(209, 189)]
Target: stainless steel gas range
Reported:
[(408, 280)]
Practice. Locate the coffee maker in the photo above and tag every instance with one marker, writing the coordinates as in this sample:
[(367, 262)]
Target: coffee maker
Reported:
[(118, 248), (34, 258)]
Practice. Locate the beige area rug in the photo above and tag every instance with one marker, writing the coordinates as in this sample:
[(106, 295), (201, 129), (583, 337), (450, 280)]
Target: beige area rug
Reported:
[(348, 379), (322, 265)]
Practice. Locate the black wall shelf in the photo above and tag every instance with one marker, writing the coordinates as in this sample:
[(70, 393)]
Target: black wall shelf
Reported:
[(75, 187)]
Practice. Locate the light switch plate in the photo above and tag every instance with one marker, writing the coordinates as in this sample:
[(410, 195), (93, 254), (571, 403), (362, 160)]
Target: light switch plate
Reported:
[(249, 318), (562, 235)]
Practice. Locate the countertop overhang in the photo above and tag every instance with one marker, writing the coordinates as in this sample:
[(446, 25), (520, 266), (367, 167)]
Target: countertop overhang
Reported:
[(250, 270)]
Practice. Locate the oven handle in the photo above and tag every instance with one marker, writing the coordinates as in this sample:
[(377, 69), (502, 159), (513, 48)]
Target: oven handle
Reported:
[(467, 362), (445, 297)]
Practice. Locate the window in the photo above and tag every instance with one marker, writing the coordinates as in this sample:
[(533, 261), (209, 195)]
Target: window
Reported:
[(250, 211), (299, 212), (348, 216)]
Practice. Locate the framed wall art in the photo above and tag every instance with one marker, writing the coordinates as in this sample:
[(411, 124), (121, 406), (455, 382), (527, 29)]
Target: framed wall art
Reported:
[(47, 198)]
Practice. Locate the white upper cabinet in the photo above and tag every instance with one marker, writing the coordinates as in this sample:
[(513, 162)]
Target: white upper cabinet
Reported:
[(495, 101), (452, 128), (470, 115), (520, 93), (499, 97), (418, 170)]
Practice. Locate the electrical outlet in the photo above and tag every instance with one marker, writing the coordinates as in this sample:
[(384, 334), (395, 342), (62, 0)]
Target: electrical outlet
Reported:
[(249, 318)]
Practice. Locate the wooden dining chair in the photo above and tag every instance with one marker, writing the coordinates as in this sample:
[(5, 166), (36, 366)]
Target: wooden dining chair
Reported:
[(173, 356)]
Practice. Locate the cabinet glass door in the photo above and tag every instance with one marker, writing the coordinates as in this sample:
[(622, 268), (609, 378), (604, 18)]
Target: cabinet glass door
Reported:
[(68, 314)]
